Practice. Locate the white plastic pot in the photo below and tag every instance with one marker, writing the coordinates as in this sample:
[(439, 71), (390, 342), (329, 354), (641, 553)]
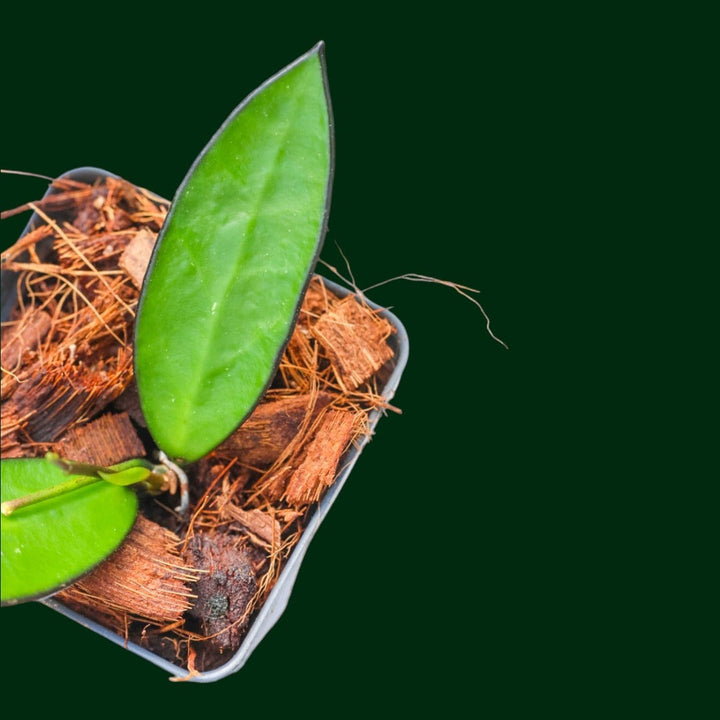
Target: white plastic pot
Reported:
[(278, 598)]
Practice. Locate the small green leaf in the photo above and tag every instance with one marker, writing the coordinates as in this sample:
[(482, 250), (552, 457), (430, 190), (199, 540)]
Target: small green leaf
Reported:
[(131, 476), (130, 472), (233, 260), (50, 544)]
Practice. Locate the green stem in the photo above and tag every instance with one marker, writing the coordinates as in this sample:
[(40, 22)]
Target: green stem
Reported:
[(74, 483)]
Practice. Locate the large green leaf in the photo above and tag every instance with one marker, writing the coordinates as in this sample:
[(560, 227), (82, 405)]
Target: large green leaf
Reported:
[(232, 262), (52, 543)]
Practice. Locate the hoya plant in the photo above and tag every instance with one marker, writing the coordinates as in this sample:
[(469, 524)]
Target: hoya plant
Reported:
[(217, 307)]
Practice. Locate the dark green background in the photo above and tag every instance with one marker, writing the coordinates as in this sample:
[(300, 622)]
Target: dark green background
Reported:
[(466, 563)]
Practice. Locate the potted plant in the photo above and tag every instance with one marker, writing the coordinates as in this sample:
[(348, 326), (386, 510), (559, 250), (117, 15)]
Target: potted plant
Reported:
[(199, 337)]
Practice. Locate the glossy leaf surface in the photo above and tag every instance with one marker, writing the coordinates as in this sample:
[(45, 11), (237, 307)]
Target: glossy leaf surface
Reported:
[(232, 262), (52, 543)]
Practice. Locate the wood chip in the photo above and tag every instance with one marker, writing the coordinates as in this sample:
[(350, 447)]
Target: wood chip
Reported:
[(317, 300), (66, 393), (145, 577), (136, 256), (260, 524), (27, 335), (53, 203), (225, 591), (271, 428), (318, 466), (354, 337), (109, 439)]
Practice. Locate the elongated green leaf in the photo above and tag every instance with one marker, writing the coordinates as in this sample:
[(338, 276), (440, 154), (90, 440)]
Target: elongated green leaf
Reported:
[(52, 543), (232, 261)]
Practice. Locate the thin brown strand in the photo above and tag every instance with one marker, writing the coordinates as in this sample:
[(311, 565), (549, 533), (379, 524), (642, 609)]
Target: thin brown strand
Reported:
[(462, 289), (6, 171), (80, 254), (58, 200)]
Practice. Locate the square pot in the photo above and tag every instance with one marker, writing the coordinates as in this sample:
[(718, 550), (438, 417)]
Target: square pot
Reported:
[(277, 600)]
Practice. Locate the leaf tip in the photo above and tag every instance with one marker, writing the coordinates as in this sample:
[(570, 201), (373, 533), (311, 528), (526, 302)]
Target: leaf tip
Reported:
[(317, 50)]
